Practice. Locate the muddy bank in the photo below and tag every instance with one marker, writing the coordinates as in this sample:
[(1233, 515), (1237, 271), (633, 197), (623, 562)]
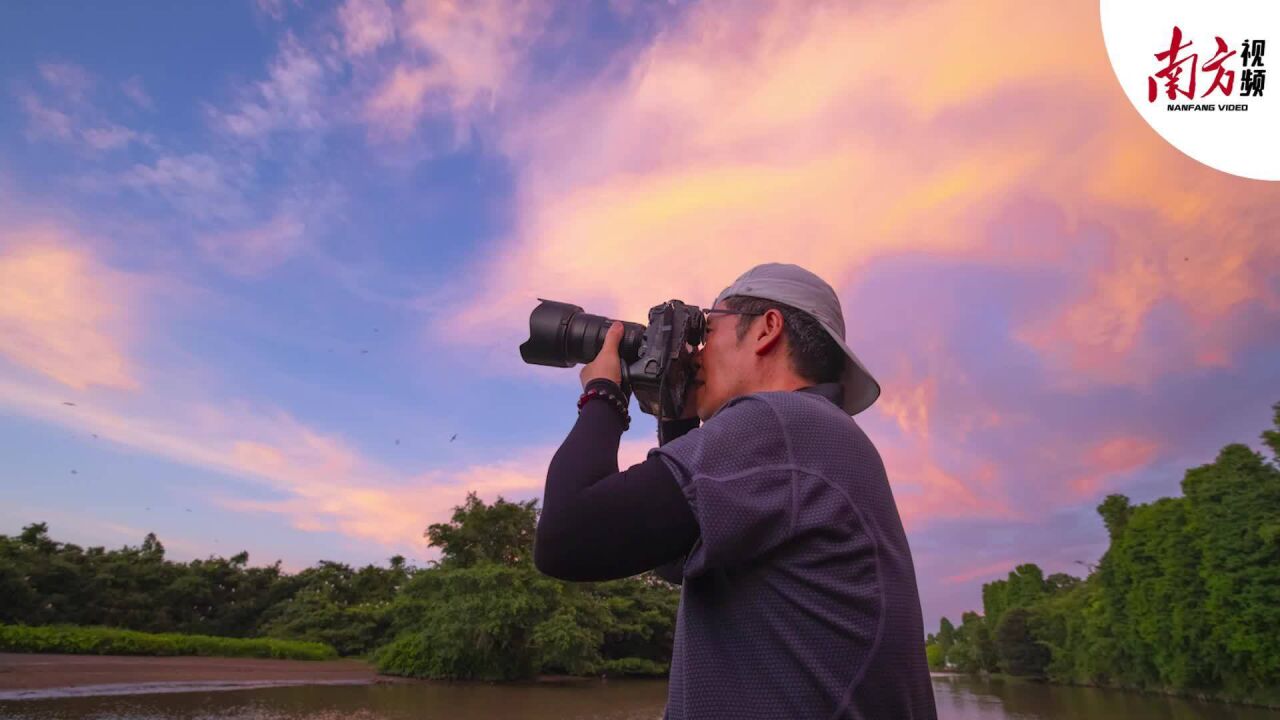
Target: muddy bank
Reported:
[(33, 676)]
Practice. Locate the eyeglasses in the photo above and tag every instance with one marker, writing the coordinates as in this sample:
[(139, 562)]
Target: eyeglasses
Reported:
[(725, 311)]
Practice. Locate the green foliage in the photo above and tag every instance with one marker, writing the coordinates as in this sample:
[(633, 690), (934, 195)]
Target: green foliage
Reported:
[(1186, 598), (1018, 651), (501, 533), (112, 641), (972, 649), (935, 655), (633, 666), (484, 612), (476, 623)]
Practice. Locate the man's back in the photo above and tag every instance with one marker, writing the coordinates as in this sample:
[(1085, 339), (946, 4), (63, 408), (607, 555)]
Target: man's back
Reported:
[(799, 598)]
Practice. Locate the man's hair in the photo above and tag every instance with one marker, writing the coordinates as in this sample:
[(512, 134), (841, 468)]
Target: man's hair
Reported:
[(815, 356)]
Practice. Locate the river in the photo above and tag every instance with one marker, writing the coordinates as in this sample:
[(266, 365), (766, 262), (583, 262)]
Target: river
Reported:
[(959, 698)]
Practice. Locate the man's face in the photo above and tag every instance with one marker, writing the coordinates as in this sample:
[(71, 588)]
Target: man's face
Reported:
[(724, 363)]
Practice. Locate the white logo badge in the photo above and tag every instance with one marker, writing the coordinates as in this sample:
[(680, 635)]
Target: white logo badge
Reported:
[(1200, 73)]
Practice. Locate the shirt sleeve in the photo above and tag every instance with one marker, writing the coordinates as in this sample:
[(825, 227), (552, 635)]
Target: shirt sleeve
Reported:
[(599, 523), (737, 474)]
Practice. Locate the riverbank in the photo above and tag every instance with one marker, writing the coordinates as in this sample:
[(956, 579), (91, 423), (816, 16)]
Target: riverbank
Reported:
[(24, 675)]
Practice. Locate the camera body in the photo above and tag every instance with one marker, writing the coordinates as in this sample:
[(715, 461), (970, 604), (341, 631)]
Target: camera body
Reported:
[(657, 358)]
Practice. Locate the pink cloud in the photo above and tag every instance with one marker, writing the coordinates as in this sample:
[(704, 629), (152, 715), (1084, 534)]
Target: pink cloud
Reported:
[(785, 130), (991, 571), (292, 96), (402, 100), (366, 26), (63, 313), (475, 52), (1116, 456)]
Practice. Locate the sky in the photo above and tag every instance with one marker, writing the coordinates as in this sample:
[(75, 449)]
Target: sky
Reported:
[(261, 262)]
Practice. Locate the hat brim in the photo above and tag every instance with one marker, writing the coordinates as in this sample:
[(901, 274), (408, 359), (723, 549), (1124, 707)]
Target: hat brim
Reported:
[(860, 389)]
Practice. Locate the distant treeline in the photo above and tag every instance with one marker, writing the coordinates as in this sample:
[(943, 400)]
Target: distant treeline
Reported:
[(482, 612), (1185, 600)]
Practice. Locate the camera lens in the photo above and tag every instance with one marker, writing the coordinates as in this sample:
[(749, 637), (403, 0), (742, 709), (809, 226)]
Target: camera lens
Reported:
[(563, 335)]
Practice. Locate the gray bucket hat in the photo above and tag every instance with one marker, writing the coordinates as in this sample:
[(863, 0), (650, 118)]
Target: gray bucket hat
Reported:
[(801, 289)]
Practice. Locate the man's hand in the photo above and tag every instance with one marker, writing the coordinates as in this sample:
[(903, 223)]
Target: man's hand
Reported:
[(691, 397), (607, 363)]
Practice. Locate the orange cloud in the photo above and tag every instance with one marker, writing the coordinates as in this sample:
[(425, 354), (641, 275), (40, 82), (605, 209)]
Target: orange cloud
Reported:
[(63, 313)]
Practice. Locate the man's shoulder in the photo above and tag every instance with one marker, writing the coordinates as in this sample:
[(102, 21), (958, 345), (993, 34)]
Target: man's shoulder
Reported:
[(781, 406)]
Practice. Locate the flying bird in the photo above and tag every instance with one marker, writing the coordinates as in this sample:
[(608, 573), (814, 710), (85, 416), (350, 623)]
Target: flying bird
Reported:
[(73, 472), (364, 352), (95, 434), (397, 441), (455, 437), (64, 402)]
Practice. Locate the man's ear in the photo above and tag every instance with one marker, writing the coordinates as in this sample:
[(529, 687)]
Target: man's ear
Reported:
[(770, 331)]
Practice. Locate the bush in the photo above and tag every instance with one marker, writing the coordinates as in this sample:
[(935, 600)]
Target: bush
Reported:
[(476, 623), (633, 666), (112, 641), (935, 656)]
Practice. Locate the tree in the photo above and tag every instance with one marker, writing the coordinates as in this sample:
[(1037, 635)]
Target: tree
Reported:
[(946, 636), (502, 533), (1020, 653), (1115, 511)]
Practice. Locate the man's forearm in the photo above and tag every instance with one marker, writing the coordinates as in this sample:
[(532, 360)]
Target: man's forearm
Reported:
[(599, 523)]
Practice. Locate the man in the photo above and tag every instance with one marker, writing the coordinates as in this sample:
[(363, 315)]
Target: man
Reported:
[(798, 592)]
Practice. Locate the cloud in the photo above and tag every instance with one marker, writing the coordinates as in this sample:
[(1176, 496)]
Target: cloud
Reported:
[(63, 313), (789, 130), (326, 484), (137, 93), (197, 184), (110, 137), (70, 80), (1115, 456), (62, 112), (474, 53), (366, 26), (401, 101), (989, 572), (291, 98), (45, 121), (255, 250)]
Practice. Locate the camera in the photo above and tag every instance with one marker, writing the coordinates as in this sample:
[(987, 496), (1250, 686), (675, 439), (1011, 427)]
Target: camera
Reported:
[(657, 358)]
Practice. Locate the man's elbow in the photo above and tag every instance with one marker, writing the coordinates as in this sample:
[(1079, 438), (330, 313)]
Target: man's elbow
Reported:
[(551, 556)]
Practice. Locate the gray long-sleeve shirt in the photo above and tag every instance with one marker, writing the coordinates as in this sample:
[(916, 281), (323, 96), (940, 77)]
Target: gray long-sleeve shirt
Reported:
[(799, 597)]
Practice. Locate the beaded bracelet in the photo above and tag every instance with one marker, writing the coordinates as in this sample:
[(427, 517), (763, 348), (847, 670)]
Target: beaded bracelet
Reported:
[(615, 399)]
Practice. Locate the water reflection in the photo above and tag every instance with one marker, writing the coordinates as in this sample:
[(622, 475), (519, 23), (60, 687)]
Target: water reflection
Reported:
[(964, 698), (959, 698), (591, 700)]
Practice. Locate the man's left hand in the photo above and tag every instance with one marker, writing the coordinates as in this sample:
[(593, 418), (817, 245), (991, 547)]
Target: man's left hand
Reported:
[(607, 363)]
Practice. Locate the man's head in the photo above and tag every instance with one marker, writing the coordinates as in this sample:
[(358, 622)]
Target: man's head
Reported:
[(778, 327)]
